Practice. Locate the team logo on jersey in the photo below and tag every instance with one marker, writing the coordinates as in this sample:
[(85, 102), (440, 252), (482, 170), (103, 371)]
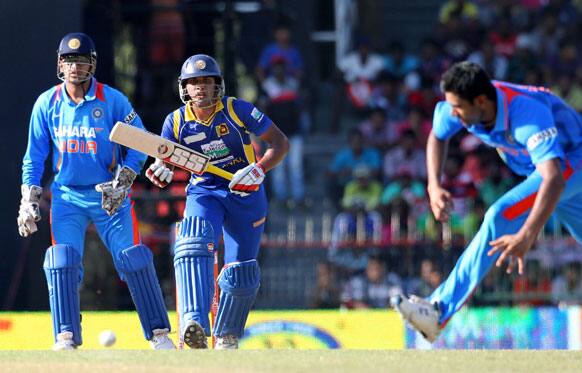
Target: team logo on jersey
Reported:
[(210, 247), (97, 113), (222, 130), (256, 114), (74, 43), (200, 64), (194, 138), (215, 149)]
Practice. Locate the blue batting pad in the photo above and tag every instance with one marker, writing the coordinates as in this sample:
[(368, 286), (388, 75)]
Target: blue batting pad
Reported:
[(137, 267), (62, 267), (193, 265), (239, 283)]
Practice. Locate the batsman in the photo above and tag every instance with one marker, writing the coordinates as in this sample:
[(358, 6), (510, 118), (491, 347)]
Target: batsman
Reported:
[(92, 179), (219, 127)]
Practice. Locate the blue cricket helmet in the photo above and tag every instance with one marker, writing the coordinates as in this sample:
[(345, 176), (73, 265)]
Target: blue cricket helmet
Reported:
[(200, 65), (77, 43)]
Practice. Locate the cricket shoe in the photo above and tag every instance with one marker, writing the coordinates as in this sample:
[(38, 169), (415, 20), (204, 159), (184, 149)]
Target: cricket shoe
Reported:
[(194, 335), (161, 341), (227, 342), (64, 342), (420, 314)]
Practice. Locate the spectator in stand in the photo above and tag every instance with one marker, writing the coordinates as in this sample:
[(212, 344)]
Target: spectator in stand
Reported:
[(359, 70), (347, 159), (425, 98), (363, 189), (462, 190), (567, 287), (388, 95), (417, 123), (372, 289), (432, 61), (466, 9), (326, 293), (504, 38), (378, 131), (566, 62), (355, 232), (283, 107), (407, 156), (280, 47), (425, 284), (491, 61), (533, 289), (398, 62)]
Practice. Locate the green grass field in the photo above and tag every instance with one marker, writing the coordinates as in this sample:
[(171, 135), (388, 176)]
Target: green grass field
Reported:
[(315, 361)]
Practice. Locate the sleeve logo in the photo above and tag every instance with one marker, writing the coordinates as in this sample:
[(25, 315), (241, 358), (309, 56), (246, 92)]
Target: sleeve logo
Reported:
[(130, 117), (256, 114), (537, 138)]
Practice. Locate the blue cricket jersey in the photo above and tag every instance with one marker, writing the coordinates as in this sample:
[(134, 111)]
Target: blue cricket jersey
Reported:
[(224, 137), (79, 136), (532, 125)]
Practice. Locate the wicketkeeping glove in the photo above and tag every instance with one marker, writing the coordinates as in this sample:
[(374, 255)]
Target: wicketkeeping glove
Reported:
[(159, 174), (247, 180), (115, 191), (29, 212)]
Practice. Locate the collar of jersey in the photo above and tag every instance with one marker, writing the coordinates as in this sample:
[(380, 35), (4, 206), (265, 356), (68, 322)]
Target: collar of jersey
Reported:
[(190, 116), (501, 116), (90, 96)]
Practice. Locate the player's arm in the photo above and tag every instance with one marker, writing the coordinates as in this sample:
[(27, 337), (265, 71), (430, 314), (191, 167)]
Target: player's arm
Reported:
[(516, 246), (133, 159), (444, 127), (32, 169), (278, 147), (440, 198)]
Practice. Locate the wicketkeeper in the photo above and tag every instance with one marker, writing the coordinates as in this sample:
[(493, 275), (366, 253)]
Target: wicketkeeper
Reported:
[(93, 177)]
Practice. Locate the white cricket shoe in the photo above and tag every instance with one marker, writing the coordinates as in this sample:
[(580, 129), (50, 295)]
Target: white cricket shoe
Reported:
[(194, 335), (420, 314), (64, 342), (161, 341), (227, 342)]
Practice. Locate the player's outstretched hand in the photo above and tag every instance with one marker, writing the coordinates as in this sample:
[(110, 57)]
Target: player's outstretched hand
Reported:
[(441, 202), (29, 212), (115, 191), (513, 248), (247, 180), (159, 174)]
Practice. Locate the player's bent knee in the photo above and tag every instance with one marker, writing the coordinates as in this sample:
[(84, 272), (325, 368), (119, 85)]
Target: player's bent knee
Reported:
[(239, 283), (137, 269), (193, 265), (62, 267)]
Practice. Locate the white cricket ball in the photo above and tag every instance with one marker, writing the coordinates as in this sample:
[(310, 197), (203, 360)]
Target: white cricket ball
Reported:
[(107, 338)]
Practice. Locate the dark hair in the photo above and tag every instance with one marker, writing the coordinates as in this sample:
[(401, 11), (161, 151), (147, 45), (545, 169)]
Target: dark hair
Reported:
[(468, 80)]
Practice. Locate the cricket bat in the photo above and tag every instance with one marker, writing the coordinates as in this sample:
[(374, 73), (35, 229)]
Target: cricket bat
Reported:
[(164, 149)]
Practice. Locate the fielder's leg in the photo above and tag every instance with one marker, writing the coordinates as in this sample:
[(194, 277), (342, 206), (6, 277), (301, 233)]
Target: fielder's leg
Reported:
[(137, 269), (239, 283), (62, 267), (193, 265)]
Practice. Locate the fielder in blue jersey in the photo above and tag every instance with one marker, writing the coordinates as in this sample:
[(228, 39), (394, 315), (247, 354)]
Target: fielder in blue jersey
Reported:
[(219, 127), (538, 136), (93, 177)]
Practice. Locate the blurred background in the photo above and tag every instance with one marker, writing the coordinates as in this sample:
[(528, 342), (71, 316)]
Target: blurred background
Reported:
[(353, 85)]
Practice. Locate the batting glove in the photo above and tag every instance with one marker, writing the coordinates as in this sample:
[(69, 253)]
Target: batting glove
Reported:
[(115, 191), (247, 180), (159, 174), (29, 212)]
